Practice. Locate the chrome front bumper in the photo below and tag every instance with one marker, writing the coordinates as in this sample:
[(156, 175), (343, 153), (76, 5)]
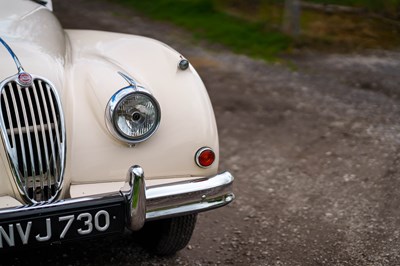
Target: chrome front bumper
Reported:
[(143, 204), (175, 199)]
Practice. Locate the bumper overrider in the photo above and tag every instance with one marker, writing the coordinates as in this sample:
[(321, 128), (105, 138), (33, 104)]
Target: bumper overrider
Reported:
[(103, 214)]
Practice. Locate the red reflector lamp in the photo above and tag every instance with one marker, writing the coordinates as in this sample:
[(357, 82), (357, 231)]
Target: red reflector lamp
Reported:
[(205, 157)]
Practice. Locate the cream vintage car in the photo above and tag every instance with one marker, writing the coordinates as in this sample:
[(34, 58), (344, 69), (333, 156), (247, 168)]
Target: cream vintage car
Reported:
[(100, 132)]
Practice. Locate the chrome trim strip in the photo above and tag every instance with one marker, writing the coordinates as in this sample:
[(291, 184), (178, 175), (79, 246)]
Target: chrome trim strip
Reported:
[(30, 128), (194, 207), (58, 203), (13, 55), (189, 197), (128, 79)]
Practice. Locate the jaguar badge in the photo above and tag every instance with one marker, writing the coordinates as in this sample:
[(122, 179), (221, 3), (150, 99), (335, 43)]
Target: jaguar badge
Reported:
[(24, 79)]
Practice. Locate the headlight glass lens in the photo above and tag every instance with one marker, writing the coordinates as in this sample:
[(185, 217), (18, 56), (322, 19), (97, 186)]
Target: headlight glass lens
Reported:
[(136, 116)]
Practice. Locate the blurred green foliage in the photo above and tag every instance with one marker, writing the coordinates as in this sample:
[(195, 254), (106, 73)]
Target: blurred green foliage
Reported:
[(204, 19), (253, 27), (332, 31)]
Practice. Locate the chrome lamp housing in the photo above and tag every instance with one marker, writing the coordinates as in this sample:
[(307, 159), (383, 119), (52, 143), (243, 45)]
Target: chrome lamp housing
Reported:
[(132, 114)]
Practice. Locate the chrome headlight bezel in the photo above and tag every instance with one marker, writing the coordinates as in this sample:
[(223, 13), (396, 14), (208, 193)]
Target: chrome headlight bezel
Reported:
[(112, 106)]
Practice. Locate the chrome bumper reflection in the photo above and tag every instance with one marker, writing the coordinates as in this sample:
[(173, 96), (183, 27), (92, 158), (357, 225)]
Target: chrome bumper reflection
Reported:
[(145, 204), (189, 197)]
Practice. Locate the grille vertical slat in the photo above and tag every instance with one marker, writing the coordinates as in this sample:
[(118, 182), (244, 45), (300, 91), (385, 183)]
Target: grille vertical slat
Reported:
[(10, 122), (52, 148), (55, 121), (32, 128), (43, 132), (36, 134), (42, 126), (31, 169), (20, 134)]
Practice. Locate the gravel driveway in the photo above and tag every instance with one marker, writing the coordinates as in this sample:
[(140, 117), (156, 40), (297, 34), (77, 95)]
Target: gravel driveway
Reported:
[(315, 151)]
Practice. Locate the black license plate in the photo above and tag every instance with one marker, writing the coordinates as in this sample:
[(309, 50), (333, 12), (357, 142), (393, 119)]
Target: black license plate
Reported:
[(52, 226)]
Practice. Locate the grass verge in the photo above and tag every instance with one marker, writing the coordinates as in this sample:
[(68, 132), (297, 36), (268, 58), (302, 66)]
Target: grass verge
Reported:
[(252, 28), (324, 31), (255, 39)]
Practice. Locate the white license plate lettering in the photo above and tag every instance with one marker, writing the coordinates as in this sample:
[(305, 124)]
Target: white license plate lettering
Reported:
[(47, 236), (24, 235), (7, 236), (10, 233), (106, 221), (87, 218), (70, 219)]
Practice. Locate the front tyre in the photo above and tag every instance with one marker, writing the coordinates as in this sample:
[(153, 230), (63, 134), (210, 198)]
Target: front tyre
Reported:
[(166, 237)]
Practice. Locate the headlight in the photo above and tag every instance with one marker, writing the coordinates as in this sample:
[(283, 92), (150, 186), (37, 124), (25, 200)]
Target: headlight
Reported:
[(132, 115)]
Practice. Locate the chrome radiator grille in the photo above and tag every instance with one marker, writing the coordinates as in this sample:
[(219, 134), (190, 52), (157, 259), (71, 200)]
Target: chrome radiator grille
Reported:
[(33, 132)]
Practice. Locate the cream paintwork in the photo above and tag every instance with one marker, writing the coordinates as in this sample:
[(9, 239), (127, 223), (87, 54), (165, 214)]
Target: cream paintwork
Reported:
[(185, 121), (83, 67), (84, 190), (8, 202)]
